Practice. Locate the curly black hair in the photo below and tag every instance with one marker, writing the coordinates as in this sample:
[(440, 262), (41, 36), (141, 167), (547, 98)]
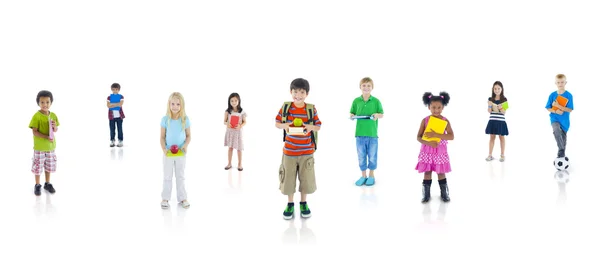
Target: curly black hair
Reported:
[(443, 98), (44, 93)]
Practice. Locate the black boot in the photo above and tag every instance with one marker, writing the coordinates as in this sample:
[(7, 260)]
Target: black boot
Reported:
[(445, 193), (426, 191)]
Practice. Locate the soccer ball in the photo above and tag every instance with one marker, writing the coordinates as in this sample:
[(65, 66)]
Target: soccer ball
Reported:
[(561, 176), (561, 163)]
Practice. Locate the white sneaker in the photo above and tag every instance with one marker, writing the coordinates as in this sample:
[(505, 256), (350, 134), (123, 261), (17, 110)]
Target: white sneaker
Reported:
[(185, 204), (112, 143), (164, 204), (120, 144), (489, 158)]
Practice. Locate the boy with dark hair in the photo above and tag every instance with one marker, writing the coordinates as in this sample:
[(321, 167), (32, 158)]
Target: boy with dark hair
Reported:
[(114, 102), (298, 149), (43, 125)]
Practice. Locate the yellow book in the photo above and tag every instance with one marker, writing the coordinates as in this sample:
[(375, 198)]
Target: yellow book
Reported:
[(170, 154), (436, 125)]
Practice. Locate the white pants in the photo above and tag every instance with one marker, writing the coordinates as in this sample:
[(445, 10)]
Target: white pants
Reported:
[(176, 164)]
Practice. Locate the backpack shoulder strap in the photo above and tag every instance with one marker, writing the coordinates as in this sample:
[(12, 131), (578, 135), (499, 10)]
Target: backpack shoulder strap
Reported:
[(310, 108), (310, 111), (285, 111)]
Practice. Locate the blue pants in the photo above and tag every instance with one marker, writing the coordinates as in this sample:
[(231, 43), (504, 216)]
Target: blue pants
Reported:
[(118, 122), (366, 147)]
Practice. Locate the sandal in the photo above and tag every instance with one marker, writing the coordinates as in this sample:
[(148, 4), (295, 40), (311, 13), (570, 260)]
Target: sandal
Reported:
[(164, 204), (185, 204), (227, 167)]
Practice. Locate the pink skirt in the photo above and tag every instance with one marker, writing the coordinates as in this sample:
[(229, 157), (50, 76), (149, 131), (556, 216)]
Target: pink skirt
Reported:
[(434, 159)]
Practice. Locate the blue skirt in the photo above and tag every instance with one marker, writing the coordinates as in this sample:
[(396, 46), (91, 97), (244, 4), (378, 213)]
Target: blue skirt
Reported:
[(496, 127)]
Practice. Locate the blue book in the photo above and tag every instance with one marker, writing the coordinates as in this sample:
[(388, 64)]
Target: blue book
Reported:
[(115, 98)]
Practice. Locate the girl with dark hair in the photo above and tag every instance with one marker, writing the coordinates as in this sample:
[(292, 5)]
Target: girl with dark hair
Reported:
[(433, 156), (234, 120), (497, 124)]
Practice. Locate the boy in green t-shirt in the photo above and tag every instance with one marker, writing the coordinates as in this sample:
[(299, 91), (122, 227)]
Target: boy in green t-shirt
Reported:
[(366, 130), (43, 124)]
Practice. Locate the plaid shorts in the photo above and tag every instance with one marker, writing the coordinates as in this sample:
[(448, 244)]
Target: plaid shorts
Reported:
[(43, 161)]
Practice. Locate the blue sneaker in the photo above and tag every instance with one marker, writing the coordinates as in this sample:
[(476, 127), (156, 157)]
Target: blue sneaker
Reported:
[(370, 181), (361, 181)]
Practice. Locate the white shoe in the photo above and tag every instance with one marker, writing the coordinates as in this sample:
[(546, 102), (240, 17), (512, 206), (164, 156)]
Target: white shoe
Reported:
[(120, 144), (185, 204), (489, 158), (112, 143), (164, 204)]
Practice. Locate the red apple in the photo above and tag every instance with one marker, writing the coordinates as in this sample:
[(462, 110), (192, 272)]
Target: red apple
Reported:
[(174, 149)]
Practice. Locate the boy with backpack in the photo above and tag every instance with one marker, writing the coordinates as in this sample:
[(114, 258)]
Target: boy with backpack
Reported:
[(298, 149)]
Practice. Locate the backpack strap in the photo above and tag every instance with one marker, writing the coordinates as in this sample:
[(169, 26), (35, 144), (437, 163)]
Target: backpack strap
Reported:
[(310, 108), (285, 111)]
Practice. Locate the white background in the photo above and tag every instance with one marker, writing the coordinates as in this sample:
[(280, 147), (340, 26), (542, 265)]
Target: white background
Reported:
[(106, 215)]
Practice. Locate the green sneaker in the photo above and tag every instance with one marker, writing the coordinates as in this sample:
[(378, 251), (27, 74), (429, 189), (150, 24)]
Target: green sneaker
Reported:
[(304, 210), (288, 213)]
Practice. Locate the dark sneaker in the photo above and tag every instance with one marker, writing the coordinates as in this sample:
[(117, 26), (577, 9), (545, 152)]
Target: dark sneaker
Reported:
[(304, 210), (38, 190), (288, 213), (48, 187)]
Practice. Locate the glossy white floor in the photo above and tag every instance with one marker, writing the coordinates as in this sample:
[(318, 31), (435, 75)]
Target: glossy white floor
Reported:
[(106, 216)]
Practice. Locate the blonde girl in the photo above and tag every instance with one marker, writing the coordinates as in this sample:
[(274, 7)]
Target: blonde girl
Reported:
[(175, 136)]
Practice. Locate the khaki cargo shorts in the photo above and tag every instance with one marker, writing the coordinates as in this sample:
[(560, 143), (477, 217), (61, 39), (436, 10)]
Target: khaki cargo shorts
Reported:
[(304, 168)]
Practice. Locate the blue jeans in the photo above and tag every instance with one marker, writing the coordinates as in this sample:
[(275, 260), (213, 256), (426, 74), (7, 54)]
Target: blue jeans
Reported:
[(119, 123), (561, 138), (366, 147)]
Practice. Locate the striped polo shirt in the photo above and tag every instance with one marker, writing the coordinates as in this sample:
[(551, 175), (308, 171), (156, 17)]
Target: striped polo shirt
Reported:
[(298, 145)]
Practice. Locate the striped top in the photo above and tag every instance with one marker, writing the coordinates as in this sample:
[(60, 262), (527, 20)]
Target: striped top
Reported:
[(496, 116), (298, 145)]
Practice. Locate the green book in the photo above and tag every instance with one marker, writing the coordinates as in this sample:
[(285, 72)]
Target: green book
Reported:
[(505, 105)]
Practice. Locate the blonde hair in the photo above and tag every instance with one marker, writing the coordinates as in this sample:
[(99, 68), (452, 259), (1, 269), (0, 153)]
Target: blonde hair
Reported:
[(366, 80), (173, 96), (561, 76)]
